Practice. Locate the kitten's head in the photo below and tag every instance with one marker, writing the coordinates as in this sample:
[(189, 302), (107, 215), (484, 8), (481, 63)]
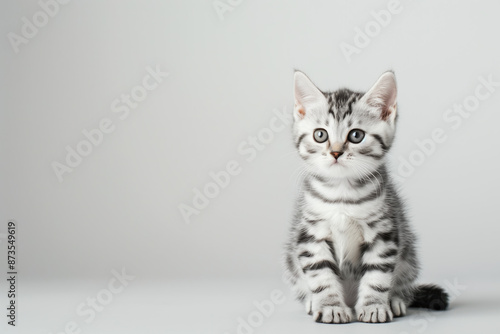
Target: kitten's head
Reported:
[(344, 134)]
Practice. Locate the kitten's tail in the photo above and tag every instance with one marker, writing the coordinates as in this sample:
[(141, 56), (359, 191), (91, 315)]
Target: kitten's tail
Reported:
[(430, 296)]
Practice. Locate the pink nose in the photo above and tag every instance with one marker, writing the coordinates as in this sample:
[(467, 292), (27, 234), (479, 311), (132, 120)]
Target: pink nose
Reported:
[(336, 155)]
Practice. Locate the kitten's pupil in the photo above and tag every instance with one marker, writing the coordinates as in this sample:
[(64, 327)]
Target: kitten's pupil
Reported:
[(356, 136), (320, 135)]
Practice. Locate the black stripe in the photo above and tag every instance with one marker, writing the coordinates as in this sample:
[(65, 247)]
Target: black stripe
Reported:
[(373, 223), (329, 97), (312, 221), (333, 296), (373, 195), (313, 215), (379, 288), (392, 235), (322, 265), (320, 288), (365, 150), (386, 267), (381, 141), (375, 156), (371, 302), (305, 237), (385, 236), (332, 304), (306, 254), (369, 153), (365, 246), (300, 140), (332, 249), (331, 112), (316, 194), (389, 253), (311, 151), (349, 109)]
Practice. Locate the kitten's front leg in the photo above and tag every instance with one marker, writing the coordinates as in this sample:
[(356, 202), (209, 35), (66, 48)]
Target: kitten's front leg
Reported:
[(374, 287), (327, 303)]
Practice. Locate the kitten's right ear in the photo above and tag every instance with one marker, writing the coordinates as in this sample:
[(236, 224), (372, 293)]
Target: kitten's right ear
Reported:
[(307, 96), (382, 97)]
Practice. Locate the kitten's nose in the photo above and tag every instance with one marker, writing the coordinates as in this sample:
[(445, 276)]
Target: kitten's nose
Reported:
[(337, 154)]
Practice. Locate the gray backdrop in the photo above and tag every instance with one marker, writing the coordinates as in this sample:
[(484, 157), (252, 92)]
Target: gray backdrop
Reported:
[(224, 104)]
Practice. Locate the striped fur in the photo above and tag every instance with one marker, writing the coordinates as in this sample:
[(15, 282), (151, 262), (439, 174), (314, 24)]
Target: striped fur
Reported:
[(351, 253)]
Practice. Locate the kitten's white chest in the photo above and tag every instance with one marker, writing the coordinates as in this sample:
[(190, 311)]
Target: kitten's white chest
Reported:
[(347, 237)]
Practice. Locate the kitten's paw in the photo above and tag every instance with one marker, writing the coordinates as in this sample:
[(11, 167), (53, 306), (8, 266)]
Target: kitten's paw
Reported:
[(309, 306), (375, 313), (398, 307), (333, 314)]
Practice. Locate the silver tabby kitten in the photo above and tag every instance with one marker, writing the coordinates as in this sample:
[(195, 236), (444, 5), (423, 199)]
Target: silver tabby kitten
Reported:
[(351, 251)]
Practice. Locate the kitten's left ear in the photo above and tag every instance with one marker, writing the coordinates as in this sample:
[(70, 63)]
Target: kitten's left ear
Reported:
[(382, 97)]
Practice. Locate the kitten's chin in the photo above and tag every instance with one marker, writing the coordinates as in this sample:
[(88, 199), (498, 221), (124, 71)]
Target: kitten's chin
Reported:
[(339, 171), (335, 170)]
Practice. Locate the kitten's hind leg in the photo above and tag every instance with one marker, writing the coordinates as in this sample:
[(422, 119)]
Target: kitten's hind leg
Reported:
[(398, 306), (308, 303), (403, 289)]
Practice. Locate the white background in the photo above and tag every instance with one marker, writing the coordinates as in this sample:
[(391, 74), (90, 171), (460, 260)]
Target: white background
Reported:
[(119, 208)]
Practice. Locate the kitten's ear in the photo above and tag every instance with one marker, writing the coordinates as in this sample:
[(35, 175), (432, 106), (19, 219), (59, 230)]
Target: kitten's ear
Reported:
[(307, 96), (382, 97)]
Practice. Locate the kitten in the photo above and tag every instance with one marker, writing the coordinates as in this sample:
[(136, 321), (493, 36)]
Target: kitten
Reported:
[(351, 252)]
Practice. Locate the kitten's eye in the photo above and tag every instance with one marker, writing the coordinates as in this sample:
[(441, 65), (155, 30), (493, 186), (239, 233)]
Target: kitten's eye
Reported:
[(356, 136), (320, 135)]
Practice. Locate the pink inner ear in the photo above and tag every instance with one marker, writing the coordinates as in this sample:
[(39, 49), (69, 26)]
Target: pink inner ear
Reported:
[(388, 105), (301, 110), (383, 96), (387, 111)]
